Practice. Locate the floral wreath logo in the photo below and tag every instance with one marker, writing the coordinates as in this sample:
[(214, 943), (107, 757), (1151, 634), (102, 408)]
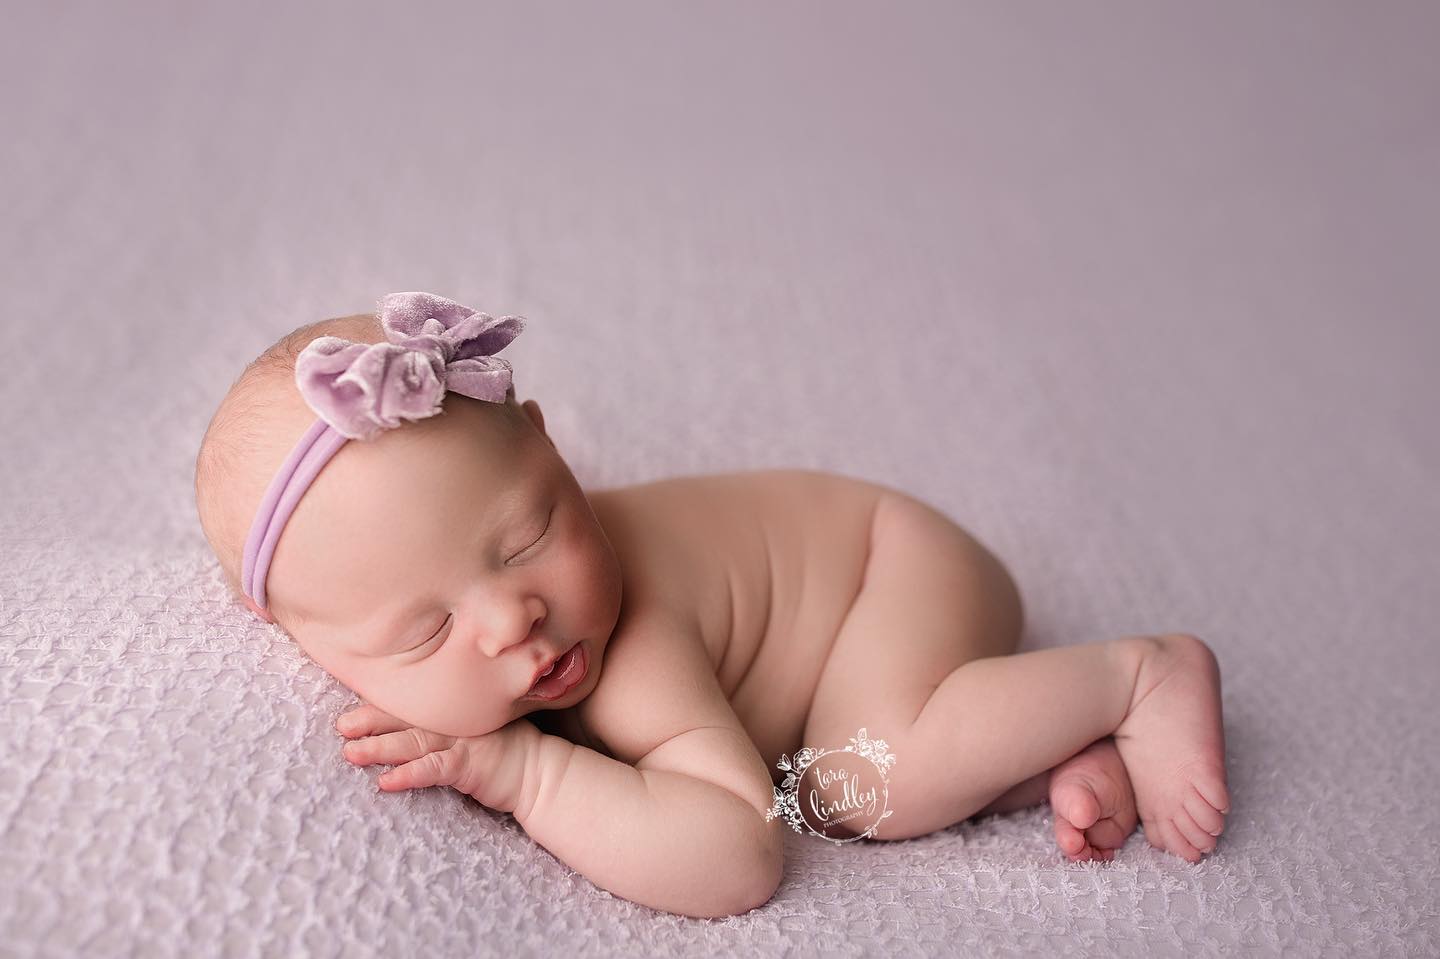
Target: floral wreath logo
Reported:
[(838, 788)]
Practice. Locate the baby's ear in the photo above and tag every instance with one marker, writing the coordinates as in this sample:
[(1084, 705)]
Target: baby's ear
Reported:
[(532, 409)]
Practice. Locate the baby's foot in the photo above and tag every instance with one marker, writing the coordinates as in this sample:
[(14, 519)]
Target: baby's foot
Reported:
[(1173, 746), (1093, 804)]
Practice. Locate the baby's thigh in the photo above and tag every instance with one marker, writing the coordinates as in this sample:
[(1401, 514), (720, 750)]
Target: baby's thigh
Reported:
[(932, 598)]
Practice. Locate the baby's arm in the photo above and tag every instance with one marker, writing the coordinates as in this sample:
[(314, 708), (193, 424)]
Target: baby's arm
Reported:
[(682, 830)]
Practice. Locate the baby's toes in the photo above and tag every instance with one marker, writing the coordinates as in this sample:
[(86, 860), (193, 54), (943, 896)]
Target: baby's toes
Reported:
[(1208, 779), (1070, 840), (1175, 841), (1206, 816), (1074, 799), (1108, 834), (1197, 837), (1162, 835), (1112, 831), (1151, 829)]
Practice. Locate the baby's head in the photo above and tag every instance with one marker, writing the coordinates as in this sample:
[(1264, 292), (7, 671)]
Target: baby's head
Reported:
[(433, 568)]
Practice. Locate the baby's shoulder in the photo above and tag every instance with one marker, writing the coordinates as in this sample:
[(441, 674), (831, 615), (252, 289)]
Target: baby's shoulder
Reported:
[(707, 508), (719, 548), (655, 676)]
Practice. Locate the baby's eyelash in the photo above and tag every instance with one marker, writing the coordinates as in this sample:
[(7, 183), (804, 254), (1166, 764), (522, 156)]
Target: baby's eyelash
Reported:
[(433, 635), (550, 521)]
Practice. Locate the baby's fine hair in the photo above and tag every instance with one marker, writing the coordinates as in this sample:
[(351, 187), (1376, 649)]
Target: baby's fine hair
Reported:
[(256, 425), (242, 442)]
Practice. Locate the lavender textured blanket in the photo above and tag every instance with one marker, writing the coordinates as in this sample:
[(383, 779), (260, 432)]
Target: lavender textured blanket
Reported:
[(1144, 295)]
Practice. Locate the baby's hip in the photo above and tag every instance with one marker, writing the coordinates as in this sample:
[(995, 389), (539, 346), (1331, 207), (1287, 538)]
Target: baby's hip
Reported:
[(933, 598)]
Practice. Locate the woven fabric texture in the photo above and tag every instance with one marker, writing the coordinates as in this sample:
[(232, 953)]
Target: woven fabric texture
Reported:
[(1142, 295)]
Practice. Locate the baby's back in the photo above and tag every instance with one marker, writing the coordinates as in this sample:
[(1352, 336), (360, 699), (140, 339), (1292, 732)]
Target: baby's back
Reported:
[(765, 564)]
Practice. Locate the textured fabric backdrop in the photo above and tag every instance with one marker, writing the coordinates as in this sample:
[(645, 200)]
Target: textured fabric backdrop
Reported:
[(1144, 295)]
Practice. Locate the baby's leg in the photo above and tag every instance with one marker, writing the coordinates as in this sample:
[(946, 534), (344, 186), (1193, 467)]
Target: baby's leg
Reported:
[(993, 723), (996, 722), (966, 734)]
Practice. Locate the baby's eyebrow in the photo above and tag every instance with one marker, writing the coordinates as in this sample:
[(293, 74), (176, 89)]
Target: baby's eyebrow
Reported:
[(396, 632)]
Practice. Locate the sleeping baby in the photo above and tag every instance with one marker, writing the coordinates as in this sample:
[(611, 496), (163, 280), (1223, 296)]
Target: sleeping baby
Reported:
[(620, 669)]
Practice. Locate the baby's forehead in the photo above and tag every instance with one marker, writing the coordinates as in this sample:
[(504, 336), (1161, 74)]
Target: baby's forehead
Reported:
[(401, 496), (444, 464)]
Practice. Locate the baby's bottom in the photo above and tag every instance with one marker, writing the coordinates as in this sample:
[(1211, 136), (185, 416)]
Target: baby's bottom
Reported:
[(925, 660)]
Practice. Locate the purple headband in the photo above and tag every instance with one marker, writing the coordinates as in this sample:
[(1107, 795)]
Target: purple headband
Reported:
[(359, 389)]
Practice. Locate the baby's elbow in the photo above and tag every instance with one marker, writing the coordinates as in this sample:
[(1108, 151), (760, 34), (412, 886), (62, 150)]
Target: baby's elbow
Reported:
[(770, 881), (768, 872), (742, 897), (753, 884)]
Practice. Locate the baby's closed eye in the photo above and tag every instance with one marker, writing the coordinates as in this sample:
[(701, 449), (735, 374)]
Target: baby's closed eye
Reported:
[(437, 636), (549, 521)]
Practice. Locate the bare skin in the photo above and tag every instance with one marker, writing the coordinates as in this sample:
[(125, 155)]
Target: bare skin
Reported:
[(1093, 803), (698, 627), (811, 643), (814, 631)]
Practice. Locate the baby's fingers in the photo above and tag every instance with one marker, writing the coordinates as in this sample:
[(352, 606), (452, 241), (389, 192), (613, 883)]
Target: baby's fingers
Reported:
[(367, 720), (444, 767), (395, 748)]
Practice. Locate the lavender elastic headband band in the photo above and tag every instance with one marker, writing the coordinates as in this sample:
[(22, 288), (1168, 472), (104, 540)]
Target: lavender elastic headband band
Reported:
[(434, 345)]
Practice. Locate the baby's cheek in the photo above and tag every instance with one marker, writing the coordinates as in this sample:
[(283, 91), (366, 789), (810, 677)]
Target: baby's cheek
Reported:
[(449, 702), (598, 568)]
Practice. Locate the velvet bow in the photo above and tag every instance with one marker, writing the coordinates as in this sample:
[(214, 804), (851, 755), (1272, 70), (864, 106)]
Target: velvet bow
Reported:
[(433, 345)]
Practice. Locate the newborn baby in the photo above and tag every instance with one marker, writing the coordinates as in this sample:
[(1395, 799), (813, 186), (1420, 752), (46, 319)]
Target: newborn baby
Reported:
[(620, 669)]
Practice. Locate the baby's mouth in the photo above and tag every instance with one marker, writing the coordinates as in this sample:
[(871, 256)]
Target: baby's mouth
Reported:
[(563, 674)]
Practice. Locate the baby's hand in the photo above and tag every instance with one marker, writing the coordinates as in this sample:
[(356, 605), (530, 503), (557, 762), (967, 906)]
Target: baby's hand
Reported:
[(491, 768)]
